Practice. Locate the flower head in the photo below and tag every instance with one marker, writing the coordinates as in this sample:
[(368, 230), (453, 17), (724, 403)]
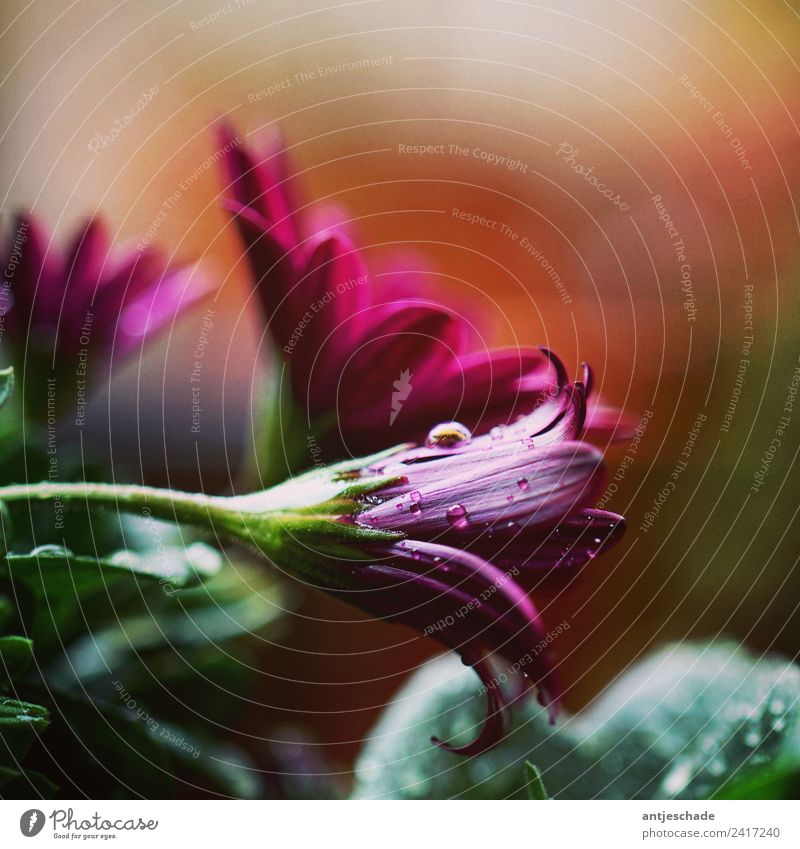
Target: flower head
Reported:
[(443, 537), (385, 366), (58, 304)]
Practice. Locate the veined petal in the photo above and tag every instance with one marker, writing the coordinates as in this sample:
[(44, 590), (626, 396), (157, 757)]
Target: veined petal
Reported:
[(468, 605), (259, 183), (536, 487)]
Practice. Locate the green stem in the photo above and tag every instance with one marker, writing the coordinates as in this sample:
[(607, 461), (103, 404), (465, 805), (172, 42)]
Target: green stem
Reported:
[(187, 508)]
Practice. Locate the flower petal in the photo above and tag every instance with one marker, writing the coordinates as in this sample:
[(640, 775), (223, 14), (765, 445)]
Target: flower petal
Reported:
[(537, 487)]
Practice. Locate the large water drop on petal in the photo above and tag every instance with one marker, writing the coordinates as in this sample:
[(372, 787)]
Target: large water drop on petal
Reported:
[(448, 435), (457, 516)]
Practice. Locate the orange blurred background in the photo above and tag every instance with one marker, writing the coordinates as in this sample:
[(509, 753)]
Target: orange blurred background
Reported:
[(695, 105)]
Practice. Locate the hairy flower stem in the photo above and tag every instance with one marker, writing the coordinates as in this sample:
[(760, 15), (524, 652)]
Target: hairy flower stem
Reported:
[(297, 523), (215, 513)]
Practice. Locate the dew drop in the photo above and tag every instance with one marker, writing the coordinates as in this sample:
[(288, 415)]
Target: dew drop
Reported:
[(509, 498), (497, 432), (752, 738), (777, 706), (779, 724), (415, 495), (523, 484), (679, 777), (415, 507), (448, 435), (457, 516)]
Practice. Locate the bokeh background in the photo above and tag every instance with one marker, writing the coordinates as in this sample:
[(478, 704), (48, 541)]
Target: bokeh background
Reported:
[(697, 103)]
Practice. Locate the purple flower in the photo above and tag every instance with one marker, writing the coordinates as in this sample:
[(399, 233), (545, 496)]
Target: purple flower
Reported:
[(385, 366), (441, 537), (57, 303), (480, 517)]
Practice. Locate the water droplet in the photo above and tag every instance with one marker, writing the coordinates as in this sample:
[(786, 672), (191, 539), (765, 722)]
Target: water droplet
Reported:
[(678, 778), (752, 738), (509, 498), (415, 507), (457, 516), (779, 724), (717, 766), (415, 555), (528, 442), (415, 495), (523, 484), (777, 706), (448, 435), (497, 432)]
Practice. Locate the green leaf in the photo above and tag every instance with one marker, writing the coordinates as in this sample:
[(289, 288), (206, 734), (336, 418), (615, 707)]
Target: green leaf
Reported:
[(239, 601), (126, 750), (67, 593), (16, 655), (20, 724), (6, 384), (535, 785), (25, 784), (54, 569), (685, 723)]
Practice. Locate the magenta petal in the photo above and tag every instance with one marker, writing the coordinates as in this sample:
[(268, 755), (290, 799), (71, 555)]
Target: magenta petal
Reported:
[(405, 337), (157, 307), (468, 605), (606, 424), (555, 554), (495, 725), (335, 291), (259, 183), (38, 281), (274, 265), (458, 491)]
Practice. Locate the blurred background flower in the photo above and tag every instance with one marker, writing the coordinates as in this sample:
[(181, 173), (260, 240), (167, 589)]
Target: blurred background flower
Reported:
[(617, 183)]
